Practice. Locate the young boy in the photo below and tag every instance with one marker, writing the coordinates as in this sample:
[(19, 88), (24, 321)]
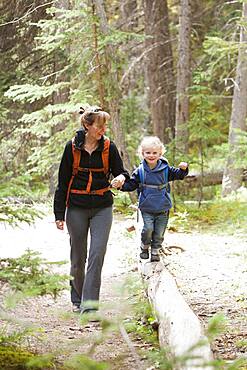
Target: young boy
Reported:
[(151, 179)]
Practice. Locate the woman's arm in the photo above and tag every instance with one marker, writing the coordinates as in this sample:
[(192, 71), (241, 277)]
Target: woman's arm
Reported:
[(64, 176), (117, 168)]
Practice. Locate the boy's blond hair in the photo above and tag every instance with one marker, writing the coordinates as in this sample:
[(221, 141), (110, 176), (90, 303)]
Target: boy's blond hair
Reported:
[(150, 142)]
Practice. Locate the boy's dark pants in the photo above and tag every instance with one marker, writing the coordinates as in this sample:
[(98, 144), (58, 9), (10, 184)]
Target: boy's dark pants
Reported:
[(85, 288), (153, 229)]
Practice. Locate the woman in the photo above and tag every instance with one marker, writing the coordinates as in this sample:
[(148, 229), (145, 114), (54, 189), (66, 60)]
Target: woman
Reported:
[(84, 188)]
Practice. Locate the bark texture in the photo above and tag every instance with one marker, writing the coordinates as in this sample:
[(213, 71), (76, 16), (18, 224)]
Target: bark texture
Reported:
[(129, 14), (59, 97), (212, 178), (113, 91), (183, 77), (159, 69), (233, 173)]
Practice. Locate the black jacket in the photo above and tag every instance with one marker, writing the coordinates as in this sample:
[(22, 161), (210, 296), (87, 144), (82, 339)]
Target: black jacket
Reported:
[(80, 181)]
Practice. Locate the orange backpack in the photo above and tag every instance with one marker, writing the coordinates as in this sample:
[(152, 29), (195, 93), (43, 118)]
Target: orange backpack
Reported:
[(76, 168)]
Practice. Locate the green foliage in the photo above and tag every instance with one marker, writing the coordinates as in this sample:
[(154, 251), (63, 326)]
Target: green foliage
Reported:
[(14, 337), (122, 203), (18, 358), (14, 212), (141, 323), (31, 93), (216, 326), (31, 275), (206, 120), (45, 361), (221, 215), (134, 116), (19, 198), (81, 362), (14, 358), (222, 59)]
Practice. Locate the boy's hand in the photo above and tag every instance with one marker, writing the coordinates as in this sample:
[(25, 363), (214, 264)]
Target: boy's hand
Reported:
[(118, 181), (183, 165)]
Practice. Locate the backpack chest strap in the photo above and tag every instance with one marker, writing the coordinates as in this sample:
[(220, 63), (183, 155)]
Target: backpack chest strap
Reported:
[(91, 192), (86, 169), (76, 168), (160, 187)]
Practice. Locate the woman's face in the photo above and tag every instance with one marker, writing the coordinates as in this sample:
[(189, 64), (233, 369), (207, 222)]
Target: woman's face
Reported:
[(96, 131)]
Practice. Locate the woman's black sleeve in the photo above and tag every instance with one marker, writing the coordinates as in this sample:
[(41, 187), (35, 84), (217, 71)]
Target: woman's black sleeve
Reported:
[(116, 163), (64, 176)]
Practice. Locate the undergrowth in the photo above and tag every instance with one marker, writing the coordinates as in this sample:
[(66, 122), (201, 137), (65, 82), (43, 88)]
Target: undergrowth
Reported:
[(30, 275), (219, 216), (143, 324), (225, 216)]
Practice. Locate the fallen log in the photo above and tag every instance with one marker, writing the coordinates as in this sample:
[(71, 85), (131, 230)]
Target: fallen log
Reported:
[(179, 328), (208, 179)]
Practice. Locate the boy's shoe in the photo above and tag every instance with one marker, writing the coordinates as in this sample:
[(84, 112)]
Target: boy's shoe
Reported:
[(155, 256), (144, 254)]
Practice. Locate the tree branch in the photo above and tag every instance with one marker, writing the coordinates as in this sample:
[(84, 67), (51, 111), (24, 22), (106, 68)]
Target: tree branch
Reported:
[(25, 15)]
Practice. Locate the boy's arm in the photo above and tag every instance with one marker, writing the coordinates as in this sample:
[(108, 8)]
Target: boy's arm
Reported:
[(132, 183), (178, 173)]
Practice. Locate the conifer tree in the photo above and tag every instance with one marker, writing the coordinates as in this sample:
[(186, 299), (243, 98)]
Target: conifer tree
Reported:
[(233, 172)]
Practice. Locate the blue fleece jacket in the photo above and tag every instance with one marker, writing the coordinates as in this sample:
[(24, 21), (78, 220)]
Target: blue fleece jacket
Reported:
[(154, 199)]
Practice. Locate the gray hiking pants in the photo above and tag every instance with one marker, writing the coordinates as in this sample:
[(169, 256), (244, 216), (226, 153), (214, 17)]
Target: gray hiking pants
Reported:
[(85, 288)]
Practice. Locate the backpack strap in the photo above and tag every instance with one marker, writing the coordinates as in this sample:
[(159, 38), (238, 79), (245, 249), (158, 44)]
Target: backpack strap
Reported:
[(76, 168), (141, 173), (167, 185), (76, 161), (105, 155)]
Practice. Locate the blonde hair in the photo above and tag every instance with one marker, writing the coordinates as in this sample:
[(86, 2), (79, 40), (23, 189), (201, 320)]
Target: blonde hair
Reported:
[(150, 142)]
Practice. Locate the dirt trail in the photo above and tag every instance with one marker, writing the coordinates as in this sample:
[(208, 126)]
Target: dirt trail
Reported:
[(210, 272), (62, 333)]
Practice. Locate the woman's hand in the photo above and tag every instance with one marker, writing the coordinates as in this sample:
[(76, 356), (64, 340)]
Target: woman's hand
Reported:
[(60, 224), (183, 165), (118, 181)]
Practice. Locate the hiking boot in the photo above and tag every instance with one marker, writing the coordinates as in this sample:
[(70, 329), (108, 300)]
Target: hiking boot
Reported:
[(144, 251), (155, 255), (144, 254), (90, 315), (76, 308)]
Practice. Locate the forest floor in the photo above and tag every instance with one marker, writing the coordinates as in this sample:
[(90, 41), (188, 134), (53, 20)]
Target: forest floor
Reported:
[(210, 271)]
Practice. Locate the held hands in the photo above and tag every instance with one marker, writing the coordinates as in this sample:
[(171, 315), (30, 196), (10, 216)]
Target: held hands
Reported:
[(60, 224), (118, 181), (183, 165)]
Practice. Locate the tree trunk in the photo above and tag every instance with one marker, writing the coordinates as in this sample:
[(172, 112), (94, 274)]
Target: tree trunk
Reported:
[(129, 14), (58, 98), (183, 77), (113, 85), (159, 64), (232, 178), (98, 66)]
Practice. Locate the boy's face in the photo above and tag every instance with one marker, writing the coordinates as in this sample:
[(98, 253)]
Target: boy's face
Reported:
[(151, 155)]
